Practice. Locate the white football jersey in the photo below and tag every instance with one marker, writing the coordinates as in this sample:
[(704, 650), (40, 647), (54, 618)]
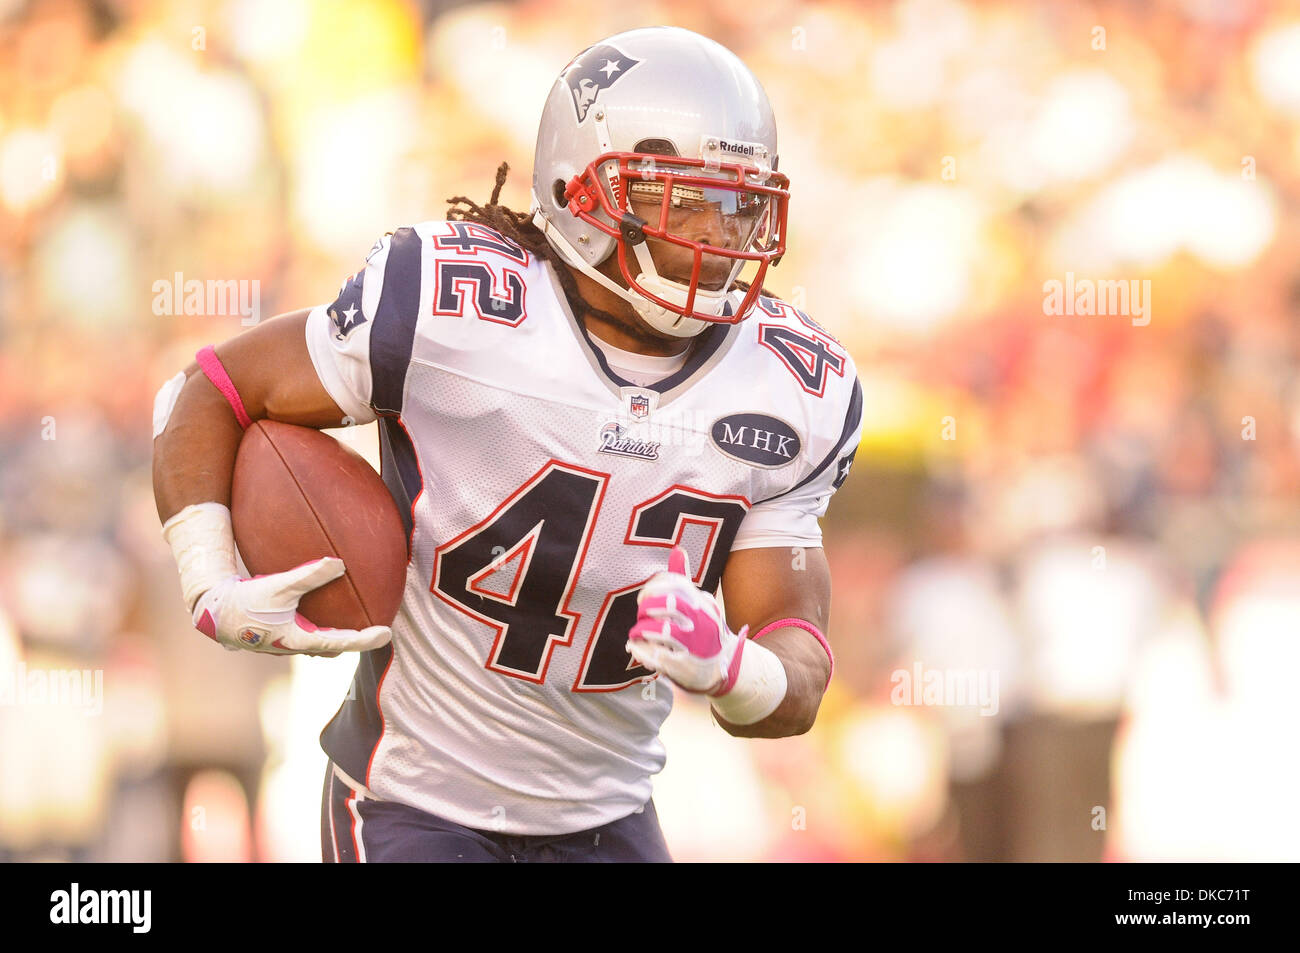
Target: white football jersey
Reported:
[(540, 490)]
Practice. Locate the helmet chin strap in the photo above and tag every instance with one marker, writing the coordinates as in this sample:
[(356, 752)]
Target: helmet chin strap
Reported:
[(661, 319), (669, 322)]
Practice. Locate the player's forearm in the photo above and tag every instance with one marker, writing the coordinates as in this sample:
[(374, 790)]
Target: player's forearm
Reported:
[(194, 456), (806, 668)]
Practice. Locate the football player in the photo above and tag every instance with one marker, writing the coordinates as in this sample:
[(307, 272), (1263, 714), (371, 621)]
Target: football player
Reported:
[(590, 424)]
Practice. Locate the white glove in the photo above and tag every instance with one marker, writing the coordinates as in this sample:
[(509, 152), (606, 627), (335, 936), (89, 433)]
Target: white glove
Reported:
[(681, 632), (259, 614)]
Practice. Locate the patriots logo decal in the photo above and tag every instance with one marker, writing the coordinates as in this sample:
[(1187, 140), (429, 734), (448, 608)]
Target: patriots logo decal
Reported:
[(596, 69), (345, 312)]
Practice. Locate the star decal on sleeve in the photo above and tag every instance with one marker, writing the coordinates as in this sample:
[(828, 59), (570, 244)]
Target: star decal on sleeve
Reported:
[(842, 472), (346, 321)]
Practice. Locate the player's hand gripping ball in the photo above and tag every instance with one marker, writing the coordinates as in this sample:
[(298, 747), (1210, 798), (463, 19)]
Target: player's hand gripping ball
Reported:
[(680, 632), (261, 614)]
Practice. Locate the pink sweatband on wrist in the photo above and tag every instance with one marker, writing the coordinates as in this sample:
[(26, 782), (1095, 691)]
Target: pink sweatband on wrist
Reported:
[(807, 627), (215, 371)]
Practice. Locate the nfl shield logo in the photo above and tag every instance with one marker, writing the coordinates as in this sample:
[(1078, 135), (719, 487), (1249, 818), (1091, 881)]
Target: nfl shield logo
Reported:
[(639, 405)]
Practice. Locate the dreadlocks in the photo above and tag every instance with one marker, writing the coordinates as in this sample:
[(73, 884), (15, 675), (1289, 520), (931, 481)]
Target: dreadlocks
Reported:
[(519, 227)]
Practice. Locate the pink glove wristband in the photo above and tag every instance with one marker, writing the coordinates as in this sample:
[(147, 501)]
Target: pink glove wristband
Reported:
[(733, 672)]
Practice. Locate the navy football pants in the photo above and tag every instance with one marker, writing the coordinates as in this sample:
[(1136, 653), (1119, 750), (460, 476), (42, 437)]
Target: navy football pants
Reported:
[(357, 828)]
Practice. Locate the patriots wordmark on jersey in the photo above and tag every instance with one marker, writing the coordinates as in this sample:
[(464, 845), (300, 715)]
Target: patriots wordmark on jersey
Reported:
[(540, 490)]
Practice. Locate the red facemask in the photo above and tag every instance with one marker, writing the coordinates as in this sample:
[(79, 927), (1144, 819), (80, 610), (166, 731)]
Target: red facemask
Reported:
[(752, 202)]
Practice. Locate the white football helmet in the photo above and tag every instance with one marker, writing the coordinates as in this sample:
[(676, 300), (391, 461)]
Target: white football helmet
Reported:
[(664, 117)]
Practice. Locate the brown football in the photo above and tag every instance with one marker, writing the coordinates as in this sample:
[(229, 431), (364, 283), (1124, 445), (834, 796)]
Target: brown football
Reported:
[(298, 494)]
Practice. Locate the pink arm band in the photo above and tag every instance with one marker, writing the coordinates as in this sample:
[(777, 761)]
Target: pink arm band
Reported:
[(212, 367), (807, 627)]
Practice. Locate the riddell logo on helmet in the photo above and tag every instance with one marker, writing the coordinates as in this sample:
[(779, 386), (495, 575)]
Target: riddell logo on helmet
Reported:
[(736, 148)]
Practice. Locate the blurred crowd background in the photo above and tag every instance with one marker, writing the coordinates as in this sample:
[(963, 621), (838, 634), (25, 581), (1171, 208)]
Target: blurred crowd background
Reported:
[(1097, 514)]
